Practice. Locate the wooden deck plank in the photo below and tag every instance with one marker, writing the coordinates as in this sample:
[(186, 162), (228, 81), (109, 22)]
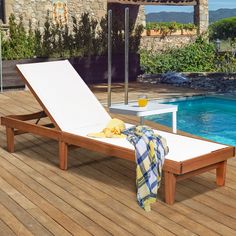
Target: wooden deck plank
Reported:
[(38, 214), (220, 198), (25, 218), (204, 229), (225, 191), (90, 201), (171, 213), (49, 209), (222, 225), (5, 230), (13, 223), (208, 201), (224, 199), (135, 203), (100, 187), (175, 228), (74, 202), (83, 189), (80, 219), (99, 202)]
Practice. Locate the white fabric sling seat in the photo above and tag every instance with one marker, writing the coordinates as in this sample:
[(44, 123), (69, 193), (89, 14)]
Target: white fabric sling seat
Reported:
[(75, 111)]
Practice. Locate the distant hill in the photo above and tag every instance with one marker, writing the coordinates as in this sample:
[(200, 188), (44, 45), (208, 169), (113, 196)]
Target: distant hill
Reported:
[(187, 17), (220, 14)]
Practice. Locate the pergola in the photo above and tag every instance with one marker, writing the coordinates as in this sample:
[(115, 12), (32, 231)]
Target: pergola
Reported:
[(156, 2), (200, 8)]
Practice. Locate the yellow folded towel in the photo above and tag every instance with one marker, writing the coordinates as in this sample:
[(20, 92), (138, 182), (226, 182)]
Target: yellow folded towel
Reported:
[(113, 130)]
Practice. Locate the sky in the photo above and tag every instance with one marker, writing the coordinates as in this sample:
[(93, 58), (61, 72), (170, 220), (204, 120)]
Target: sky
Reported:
[(213, 5)]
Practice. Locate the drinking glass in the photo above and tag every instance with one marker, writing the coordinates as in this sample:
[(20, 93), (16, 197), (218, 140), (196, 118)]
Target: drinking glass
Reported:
[(142, 100)]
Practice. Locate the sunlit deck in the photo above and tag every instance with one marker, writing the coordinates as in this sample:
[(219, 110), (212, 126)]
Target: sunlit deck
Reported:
[(96, 195)]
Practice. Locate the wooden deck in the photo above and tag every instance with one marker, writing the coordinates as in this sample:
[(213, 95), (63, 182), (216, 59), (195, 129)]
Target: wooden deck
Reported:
[(154, 91), (96, 196)]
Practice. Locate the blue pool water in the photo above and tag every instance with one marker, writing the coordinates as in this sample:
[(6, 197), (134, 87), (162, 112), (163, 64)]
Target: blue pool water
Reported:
[(208, 117)]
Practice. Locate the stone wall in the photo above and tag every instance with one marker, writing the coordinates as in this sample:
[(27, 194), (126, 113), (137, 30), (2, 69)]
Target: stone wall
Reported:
[(201, 15), (213, 81), (36, 11), (96, 9), (157, 43)]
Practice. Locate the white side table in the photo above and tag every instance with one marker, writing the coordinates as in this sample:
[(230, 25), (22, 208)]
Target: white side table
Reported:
[(152, 108)]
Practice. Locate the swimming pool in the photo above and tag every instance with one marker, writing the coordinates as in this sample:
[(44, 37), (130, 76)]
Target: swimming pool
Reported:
[(213, 118)]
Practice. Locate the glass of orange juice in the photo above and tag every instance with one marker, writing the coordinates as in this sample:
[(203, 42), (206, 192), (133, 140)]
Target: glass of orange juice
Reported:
[(142, 100)]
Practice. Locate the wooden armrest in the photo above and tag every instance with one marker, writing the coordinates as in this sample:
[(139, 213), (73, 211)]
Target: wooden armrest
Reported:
[(33, 116)]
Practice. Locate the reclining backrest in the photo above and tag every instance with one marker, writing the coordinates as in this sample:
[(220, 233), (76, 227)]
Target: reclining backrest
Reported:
[(63, 94)]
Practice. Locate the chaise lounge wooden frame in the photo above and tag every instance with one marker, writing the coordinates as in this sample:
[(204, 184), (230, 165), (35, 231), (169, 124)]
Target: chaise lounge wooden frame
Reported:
[(173, 170)]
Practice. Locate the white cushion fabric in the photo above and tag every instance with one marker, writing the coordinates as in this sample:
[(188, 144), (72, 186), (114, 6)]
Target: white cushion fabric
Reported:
[(65, 95), (181, 148)]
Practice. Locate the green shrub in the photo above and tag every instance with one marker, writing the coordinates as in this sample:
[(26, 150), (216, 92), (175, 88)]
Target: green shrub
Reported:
[(169, 27), (88, 37), (226, 62), (47, 46), (103, 36), (135, 38), (38, 41), (195, 57), (223, 29), (19, 44)]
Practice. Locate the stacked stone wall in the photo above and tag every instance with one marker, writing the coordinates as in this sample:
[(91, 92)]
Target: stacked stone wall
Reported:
[(201, 15), (159, 44), (36, 11)]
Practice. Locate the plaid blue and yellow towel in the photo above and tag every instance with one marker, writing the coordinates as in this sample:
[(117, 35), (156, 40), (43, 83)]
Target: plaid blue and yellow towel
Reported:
[(150, 150)]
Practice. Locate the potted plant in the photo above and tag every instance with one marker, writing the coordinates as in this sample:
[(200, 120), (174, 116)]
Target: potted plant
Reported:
[(156, 29), (190, 28), (173, 27), (164, 31), (148, 29)]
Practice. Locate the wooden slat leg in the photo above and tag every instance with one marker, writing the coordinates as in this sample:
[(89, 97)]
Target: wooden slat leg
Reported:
[(10, 139), (170, 186), (63, 155), (221, 174)]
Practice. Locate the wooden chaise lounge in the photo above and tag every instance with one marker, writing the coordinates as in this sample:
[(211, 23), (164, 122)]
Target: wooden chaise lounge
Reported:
[(74, 112)]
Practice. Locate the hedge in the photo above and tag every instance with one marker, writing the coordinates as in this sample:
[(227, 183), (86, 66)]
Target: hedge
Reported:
[(223, 29)]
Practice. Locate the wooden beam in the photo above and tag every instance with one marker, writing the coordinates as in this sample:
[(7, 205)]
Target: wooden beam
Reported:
[(208, 159), (33, 116), (198, 171), (31, 128), (156, 2)]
